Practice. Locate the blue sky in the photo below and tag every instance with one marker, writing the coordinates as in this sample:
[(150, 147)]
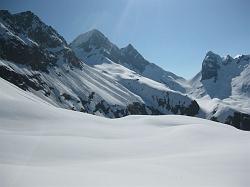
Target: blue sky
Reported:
[(175, 34)]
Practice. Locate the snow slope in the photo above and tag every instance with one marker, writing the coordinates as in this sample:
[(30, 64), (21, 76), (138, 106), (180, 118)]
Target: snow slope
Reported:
[(41, 145), (77, 83), (147, 89)]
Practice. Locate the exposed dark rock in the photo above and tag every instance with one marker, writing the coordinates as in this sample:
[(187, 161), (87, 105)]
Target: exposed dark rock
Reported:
[(82, 110), (22, 81), (210, 66), (137, 108), (242, 58), (31, 41), (47, 93), (18, 52), (192, 109), (129, 55), (102, 108), (239, 120), (91, 96), (213, 118), (71, 58), (66, 96)]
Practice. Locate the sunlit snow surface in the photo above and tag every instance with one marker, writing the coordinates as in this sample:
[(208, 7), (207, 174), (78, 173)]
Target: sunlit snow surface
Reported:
[(41, 145)]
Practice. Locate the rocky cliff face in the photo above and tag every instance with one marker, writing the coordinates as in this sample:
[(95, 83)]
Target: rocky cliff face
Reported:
[(224, 84), (25, 39), (210, 66)]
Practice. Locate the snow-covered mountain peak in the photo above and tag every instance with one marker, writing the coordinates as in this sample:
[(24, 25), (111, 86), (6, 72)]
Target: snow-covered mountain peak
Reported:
[(27, 24), (226, 81), (96, 32), (211, 56), (228, 58), (94, 52), (4, 13), (243, 59), (130, 46), (94, 43), (210, 66), (211, 53), (129, 50), (93, 39), (82, 38), (213, 62), (38, 44), (28, 16)]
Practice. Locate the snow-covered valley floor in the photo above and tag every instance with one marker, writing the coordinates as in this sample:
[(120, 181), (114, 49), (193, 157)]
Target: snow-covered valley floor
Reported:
[(41, 145)]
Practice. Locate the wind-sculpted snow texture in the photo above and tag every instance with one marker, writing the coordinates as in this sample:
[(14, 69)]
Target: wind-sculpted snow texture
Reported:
[(43, 145)]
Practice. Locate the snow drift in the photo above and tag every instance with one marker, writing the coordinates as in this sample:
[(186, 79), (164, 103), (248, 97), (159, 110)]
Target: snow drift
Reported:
[(42, 145)]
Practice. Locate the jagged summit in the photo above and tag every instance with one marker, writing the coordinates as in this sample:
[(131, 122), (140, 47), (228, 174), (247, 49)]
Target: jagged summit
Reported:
[(29, 21), (96, 32), (93, 37), (37, 44), (29, 24), (227, 59), (96, 39), (210, 65), (130, 50), (211, 53), (211, 56), (93, 46), (4, 12), (129, 47), (27, 14), (92, 33), (223, 77), (213, 62)]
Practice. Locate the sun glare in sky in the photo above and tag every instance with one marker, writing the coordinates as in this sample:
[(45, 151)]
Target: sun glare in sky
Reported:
[(174, 34)]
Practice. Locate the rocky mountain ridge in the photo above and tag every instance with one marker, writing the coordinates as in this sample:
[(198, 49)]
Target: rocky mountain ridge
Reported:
[(93, 75)]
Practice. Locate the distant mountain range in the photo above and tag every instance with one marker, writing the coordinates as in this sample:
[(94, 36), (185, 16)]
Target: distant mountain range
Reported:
[(93, 75)]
